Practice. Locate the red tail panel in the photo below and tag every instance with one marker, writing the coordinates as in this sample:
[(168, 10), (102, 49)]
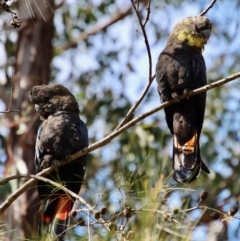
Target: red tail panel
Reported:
[(46, 219), (63, 208)]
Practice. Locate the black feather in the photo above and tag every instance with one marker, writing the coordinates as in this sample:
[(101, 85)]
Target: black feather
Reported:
[(61, 134)]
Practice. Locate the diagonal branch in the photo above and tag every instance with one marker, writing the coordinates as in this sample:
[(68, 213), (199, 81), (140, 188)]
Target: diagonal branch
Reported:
[(97, 28), (57, 185), (208, 7), (136, 104), (114, 134)]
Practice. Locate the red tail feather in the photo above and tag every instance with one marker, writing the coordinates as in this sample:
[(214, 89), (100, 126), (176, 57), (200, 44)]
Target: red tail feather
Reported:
[(63, 208), (186, 159), (55, 217)]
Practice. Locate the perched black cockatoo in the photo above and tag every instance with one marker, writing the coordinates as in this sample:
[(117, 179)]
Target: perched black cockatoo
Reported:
[(180, 69), (61, 134)]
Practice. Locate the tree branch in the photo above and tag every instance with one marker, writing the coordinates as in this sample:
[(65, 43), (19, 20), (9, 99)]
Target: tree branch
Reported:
[(114, 134), (40, 178), (4, 98), (208, 7), (9, 111), (150, 78), (148, 13), (57, 185), (97, 28)]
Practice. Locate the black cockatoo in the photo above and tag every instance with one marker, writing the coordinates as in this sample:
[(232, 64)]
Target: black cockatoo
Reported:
[(181, 68), (61, 134)]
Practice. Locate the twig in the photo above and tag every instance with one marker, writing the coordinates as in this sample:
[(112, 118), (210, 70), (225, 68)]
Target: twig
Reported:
[(9, 111), (145, 39), (201, 207), (10, 101), (88, 225), (150, 77), (136, 104), (11, 95), (211, 209), (55, 184), (148, 13), (114, 134), (208, 7), (169, 214), (97, 28)]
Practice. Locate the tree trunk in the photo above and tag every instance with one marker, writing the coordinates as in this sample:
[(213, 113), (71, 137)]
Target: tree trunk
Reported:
[(32, 67)]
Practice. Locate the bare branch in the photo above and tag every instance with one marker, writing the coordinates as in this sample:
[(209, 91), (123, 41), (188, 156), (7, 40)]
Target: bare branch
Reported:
[(57, 185), (145, 39), (150, 78), (4, 98), (148, 13), (208, 7), (114, 134), (11, 95), (136, 104), (97, 28), (205, 208), (9, 111), (44, 179)]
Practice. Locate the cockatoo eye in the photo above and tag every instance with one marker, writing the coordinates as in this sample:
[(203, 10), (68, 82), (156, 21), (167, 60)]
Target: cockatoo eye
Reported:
[(46, 97)]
